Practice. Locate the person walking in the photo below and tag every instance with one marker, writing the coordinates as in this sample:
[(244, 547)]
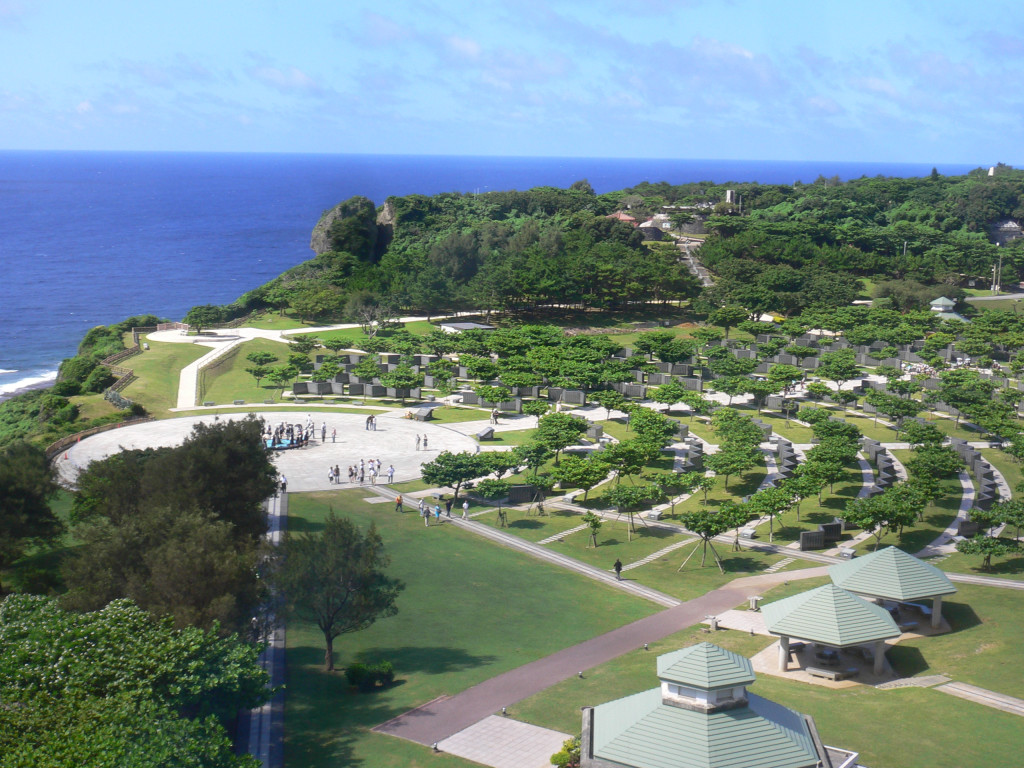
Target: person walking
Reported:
[(373, 421), (391, 473), (448, 507), (337, 474), (373, 475), (618, 569), (398, 504), (425, 511), (465, 508), (362, 475), (423, 506), (323, 432), (437, 512), (424, 442), (284, 484), (334, 435), (330, 475), (417, 442)]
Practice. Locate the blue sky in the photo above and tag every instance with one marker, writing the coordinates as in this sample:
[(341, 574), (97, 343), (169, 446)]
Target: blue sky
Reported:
[(776, 80)]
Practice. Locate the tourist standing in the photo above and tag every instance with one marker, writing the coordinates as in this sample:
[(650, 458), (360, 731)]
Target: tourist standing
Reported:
[(465, 508), (391, 473), (437, 512), (424, 442), (448, 507), (334, 435), (398, 504), (417, 442)]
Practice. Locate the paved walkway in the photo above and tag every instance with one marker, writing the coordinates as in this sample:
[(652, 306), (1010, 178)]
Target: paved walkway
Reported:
[(439, 719), (983, 696), (393, 442), (503, 743)]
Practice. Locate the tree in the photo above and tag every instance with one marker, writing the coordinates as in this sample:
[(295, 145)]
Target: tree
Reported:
[(762, 390), (787, 374), (402, 378), (839, 366), (259, 372), (491, 394), (963, 390), (453, 469), (261, 358), (204, 316), (728, 317), (577, 472), (116, 686), (732, 460), (707, 525), (988, 547), (536, 407), (26, 487), (533, 455), (594, 523), (558, 431), (335, 578), (918, 434), (608, 399), (889, 511), (368, 368), (771, 502)]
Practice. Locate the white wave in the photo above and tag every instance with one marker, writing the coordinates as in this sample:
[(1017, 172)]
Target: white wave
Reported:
[(29, 382), (8, 370)]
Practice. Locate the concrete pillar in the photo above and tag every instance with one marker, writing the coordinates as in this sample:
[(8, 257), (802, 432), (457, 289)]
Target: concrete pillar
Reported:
[(936, 611), (783, 653), (879, 656), (587, 738)]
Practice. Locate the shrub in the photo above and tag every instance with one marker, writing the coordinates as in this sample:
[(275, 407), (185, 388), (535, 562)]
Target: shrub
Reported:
[(367, 677)]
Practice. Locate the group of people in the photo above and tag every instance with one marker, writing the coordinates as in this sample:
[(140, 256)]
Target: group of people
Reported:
[(358, 472), (425, 509), (287, 435)]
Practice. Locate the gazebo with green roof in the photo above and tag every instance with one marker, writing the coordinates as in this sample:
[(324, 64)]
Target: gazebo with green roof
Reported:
[(700, 717), (892, 574), (829, 616)]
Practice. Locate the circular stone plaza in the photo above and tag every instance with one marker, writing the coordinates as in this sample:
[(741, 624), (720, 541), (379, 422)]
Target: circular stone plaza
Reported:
[(306, 469)]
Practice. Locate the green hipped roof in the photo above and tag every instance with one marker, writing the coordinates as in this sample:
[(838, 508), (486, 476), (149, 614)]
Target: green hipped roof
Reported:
[(830, 616), (942, 301), (642, 732), (893, 574), (705, 666)]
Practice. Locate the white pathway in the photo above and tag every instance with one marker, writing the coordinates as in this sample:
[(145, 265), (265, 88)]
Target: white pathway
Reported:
[(504, 743)]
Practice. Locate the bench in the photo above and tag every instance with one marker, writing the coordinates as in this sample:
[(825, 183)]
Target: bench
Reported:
[(239, 402), (907, 626), (208, 403), (748, 532), (487, 433), (846, 553), (831, 674), (921, 608)]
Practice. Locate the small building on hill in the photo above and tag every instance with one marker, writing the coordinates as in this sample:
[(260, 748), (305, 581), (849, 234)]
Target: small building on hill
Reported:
[(701, 716), (943, 307)]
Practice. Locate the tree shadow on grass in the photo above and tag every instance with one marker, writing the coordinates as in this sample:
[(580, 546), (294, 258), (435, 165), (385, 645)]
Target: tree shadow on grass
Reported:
[(526, 524), (1010, 566), (743, 565), (409, 659)]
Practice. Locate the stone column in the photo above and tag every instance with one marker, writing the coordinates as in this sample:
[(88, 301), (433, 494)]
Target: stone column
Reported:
[(783, 653), (879, 656), (936, 611)]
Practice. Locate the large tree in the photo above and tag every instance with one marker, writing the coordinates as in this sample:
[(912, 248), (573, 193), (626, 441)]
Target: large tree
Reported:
[(557, 431), (26, 487), (453, 469), (336, 579)]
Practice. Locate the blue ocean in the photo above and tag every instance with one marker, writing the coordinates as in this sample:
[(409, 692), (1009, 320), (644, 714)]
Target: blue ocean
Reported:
[(90, 238)]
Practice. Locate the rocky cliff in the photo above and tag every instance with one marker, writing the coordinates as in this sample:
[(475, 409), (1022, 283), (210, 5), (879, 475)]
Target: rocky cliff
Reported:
[(356, 227)]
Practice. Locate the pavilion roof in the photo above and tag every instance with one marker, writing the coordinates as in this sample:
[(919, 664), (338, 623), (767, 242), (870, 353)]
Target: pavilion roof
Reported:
[(893, 574), (643, 732), (705, 666), (830, 616)]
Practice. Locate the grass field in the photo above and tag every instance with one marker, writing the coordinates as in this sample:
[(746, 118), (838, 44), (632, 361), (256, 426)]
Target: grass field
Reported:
[(470, 610), (902, 728), (157, 369), (226, 379)]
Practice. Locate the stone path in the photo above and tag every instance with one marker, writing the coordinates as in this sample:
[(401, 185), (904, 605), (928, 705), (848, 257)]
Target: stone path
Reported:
[(925, 681), (393, 442), (504, 743), (440, 719), (983, 696)]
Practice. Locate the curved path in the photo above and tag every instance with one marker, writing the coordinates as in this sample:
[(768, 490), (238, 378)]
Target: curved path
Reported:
[(393, 442), (188, 379)]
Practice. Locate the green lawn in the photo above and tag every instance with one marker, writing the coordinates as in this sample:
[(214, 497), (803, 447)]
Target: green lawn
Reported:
[(226, 379), (512, 437), (417, 328), (903, 728), (1007, 567), (534, 527), (739, 486), (471, 610), (790, 430), (274, 321), (158, 369)]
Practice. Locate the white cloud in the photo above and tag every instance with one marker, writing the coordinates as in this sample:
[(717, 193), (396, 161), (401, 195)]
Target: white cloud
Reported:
[(288, 80), (464, 47), (84, 107)]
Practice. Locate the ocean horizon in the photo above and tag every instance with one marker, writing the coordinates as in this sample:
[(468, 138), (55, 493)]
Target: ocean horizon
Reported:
[(91, 238)]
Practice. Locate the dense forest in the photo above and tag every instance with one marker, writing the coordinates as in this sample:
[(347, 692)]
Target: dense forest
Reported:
[(770, 248)]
